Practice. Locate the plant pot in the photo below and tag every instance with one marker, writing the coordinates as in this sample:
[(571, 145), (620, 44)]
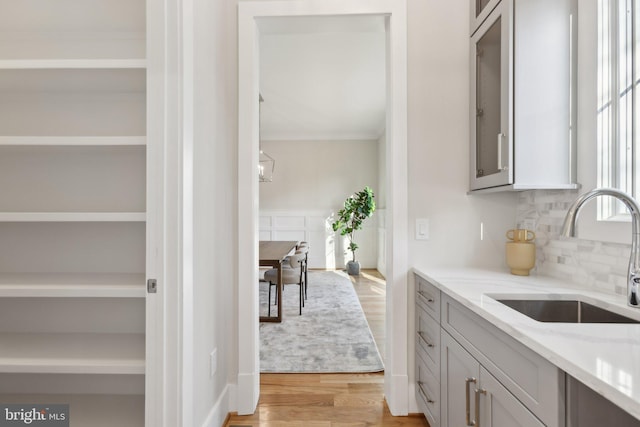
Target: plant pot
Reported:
[(353, 268)]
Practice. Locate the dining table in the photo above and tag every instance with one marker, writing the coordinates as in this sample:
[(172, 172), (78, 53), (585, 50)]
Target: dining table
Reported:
[(271, 254)]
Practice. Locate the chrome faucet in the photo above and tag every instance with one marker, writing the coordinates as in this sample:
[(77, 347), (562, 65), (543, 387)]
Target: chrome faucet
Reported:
[(569, 230)]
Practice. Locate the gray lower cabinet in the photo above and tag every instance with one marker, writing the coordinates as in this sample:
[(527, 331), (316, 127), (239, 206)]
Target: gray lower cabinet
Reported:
[(468, 372), (524, 375), (427, 354), (471, 396), (587, 408)]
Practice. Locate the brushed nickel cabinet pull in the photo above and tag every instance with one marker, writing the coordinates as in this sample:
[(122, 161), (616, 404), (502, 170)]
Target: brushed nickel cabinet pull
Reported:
[(426, 297), (467, 393), (423, 338), (478, 393), (424, 394)]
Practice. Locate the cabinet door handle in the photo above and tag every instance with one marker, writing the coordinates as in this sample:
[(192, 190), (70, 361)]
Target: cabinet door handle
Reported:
[(501, 137), (426, 297), (467, 393), (424, 393), (422, 337), (478, 393)]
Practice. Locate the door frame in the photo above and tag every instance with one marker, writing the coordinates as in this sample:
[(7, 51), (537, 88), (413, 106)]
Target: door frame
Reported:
[(396, 382), (165, 221)]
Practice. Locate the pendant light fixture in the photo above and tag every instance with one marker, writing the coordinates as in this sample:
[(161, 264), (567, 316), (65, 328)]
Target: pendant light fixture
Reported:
[(266, 163)]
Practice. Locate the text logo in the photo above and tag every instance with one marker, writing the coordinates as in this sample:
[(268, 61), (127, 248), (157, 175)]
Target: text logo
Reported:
[(28, 414)]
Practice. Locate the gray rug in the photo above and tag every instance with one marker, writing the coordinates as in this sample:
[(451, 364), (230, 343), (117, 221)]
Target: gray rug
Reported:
[(331, 335)]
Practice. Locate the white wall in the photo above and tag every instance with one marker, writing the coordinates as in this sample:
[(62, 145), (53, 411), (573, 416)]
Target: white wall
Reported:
[(317, 175), (439, 146), (214, 247)]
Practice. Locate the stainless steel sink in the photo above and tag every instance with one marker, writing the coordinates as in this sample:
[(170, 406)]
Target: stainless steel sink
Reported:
[(565, 311)]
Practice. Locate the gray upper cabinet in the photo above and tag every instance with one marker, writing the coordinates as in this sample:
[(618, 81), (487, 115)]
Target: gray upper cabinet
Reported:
[(522, 99)]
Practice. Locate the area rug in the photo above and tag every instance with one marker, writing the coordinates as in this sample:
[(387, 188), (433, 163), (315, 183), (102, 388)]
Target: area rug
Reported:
[(332, 334)]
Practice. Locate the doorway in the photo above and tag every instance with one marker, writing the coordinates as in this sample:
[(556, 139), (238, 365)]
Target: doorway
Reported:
[(322, 121), (394, 13)]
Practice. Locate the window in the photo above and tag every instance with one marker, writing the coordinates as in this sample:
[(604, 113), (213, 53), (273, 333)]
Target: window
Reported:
[(617, 112)]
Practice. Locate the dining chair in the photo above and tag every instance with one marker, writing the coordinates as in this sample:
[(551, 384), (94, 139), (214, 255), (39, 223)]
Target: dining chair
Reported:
[(261, 279), (303, 248), (292, 274)]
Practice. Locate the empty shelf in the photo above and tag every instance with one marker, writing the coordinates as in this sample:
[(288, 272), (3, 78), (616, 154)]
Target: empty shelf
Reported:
[(72, 216), (30, 64), (74, 353), (73, 140), (79, 285)]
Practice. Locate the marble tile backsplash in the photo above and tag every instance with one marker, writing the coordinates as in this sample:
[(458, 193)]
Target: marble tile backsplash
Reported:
[(595, 265)]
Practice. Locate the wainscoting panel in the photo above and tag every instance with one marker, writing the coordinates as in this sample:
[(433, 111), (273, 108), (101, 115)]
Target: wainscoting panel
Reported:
[(265, 235), (289, 235), (327, 249)]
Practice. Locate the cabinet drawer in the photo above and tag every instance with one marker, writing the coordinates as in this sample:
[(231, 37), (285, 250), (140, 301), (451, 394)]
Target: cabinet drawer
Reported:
[(428, 339), (427, 392), (531, 378), (428, 297)]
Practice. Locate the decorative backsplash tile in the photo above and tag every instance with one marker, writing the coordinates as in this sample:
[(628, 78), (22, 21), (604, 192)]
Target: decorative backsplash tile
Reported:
[(596, 265)]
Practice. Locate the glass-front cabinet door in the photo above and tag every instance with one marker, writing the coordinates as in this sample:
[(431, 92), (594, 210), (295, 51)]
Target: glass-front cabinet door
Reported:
[(480, 9), (491, 80)]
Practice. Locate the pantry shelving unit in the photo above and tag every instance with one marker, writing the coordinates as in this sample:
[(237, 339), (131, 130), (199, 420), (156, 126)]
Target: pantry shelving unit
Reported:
[(73, 215)]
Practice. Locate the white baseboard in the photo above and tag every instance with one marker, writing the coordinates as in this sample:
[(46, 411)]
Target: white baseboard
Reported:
[(397, 394), (413, 403), (247, 393), (219, 411)]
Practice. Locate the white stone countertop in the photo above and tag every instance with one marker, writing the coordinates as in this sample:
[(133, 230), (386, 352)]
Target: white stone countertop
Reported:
[(605, 357)]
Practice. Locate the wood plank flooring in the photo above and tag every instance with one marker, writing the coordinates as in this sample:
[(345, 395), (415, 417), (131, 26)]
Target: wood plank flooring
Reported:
[(331, 400), (371, 289)]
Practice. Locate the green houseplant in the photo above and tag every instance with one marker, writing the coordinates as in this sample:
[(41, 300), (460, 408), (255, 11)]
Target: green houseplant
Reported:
[(357, 208)]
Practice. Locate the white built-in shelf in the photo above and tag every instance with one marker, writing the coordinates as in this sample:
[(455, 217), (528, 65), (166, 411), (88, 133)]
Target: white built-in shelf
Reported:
[(72, 80), (72, 216), (72, 285), (49, 64), (85, 141), (72, 353)]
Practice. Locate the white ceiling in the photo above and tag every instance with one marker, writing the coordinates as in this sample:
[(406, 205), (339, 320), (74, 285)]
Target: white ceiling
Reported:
[(322, 78)]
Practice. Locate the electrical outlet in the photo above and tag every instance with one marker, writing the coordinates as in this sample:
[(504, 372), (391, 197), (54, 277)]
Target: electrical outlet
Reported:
[(213, 362)]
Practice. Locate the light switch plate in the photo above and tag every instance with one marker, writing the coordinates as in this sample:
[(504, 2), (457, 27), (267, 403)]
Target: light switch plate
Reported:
[(422, 229)]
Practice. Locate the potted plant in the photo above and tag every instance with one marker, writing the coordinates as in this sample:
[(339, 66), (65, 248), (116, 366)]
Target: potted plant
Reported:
[(357, 208)]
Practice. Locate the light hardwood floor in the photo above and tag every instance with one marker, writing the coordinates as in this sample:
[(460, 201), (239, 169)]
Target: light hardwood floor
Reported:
[(332, 400)]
